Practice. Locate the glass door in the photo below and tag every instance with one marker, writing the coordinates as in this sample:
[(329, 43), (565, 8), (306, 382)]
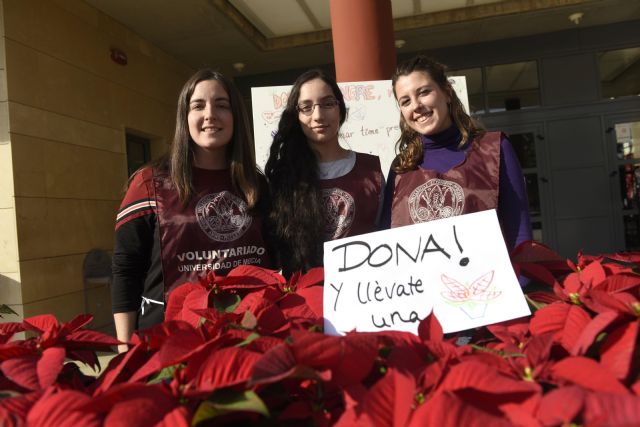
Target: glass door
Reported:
[(528, 143), (624, 142)]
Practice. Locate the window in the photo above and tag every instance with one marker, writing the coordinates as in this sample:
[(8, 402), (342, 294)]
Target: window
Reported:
[(513, 86), (475, 91), (619, 71), (138, 152), (503, 87), (627, 140)]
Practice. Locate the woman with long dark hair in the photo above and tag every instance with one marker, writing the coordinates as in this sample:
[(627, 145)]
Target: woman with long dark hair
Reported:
[(198, 209), (447, 164), (319, 190)]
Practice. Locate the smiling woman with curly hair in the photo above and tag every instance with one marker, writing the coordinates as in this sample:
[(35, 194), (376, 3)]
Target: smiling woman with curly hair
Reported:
[(447, 164)]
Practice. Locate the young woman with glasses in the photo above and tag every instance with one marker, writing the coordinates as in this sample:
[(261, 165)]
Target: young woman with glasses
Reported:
[(320, 191), (447, 164)]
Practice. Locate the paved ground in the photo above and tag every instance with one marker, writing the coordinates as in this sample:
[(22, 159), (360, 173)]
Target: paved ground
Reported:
[(104, 359)]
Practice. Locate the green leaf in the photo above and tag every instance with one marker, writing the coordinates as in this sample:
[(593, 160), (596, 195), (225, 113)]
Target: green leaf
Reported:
[(226, 401), (600, 338), (165, 374), (535, 305), (249, 320), (9, 393), (226, 303), (5, 309), (316, 328), (496, 352), (248, 340)]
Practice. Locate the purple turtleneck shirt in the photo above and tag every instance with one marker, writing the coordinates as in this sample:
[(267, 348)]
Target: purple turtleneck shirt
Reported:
[(441, 153)]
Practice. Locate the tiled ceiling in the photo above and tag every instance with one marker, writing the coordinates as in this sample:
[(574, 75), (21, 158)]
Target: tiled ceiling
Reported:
[(300, 17), (273, 35), (305, 16)]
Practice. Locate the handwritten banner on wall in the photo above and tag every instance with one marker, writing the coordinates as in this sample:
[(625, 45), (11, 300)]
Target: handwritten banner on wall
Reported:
[(372, 119), (457, 267)]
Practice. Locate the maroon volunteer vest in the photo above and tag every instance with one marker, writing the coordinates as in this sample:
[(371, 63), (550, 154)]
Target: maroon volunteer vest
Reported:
[(213, 232), (351, 201), (424, 195)]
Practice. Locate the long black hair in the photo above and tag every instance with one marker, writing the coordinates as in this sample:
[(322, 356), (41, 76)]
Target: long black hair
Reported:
[(295, 220)]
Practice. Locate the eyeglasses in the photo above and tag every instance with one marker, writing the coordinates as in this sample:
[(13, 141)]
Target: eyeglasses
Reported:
[(307, 109)]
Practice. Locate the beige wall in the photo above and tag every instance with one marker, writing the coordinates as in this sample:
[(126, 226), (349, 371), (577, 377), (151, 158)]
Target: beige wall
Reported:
[(69, 105), (10, 290)]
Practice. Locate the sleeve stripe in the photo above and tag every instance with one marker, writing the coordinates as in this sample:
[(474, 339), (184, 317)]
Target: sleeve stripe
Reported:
[(146, 204)]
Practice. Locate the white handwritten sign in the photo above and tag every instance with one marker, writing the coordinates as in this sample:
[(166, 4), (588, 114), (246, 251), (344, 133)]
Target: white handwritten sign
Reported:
[(372, 119), (457, 267)]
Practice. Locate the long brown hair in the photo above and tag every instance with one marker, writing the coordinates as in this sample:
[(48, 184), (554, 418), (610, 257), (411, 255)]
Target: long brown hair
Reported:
[(240, 151), (409, 145)]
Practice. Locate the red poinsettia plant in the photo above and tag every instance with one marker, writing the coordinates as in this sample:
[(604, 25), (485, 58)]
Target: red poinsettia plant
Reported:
[(249, 348)]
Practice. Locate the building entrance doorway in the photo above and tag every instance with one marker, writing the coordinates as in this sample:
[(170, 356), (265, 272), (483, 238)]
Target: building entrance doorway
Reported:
[(572, 169)]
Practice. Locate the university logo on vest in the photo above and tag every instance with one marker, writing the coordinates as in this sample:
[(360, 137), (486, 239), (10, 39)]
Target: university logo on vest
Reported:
[(435, 199), (223, 216), (339, 209)]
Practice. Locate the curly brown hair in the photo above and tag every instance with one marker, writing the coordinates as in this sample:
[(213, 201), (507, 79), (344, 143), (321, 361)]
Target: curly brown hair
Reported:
[(409, 146)]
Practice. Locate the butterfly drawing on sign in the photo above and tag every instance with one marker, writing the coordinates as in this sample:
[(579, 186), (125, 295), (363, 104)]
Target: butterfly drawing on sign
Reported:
[(271, 116), (471, 299)]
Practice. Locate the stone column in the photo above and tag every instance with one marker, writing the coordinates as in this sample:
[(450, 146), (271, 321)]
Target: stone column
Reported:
[(363, 42)]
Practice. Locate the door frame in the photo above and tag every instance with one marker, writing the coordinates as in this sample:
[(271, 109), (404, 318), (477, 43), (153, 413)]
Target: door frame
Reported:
[(542, 171)]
